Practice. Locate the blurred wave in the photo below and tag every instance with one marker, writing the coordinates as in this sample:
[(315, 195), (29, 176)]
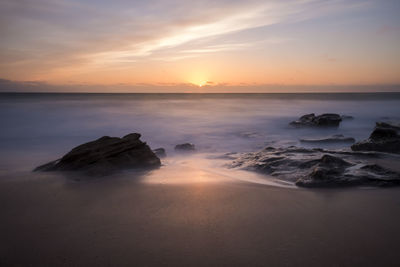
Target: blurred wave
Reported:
[(40, 127)]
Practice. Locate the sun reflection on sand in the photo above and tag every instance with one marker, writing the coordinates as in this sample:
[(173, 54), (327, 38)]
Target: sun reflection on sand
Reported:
[(199, 168), (185, 170)]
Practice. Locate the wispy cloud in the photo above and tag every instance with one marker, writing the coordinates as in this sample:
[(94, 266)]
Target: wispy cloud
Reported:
[(226, 21), (217, 48), (45, 36)]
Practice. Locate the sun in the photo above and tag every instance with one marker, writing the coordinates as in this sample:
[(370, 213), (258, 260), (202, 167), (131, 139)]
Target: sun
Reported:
[(198, 78)]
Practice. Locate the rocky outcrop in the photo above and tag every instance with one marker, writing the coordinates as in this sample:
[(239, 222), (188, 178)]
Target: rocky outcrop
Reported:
[(384, 138), (337, 138), (186, 147), (318, 167), (106, 155), (160, 152), (334, 171), (324, 120), (389, 124)]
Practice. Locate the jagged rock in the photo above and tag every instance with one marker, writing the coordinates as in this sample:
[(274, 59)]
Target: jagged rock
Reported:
[(160, 152), (384, 138), (324, 120), (318, 167), (105, 155), (185, 147), (337, 138)]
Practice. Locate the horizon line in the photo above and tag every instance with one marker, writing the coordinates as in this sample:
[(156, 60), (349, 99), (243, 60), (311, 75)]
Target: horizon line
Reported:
[(203, 93)]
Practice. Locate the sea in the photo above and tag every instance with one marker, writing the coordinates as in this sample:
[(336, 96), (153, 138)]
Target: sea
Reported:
[(39, 127)]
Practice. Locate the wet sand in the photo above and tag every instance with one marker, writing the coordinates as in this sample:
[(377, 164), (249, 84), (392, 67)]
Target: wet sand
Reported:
[(122, 222)]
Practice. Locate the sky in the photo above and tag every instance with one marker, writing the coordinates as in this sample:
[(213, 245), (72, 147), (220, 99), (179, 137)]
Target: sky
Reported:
[(199, 46)]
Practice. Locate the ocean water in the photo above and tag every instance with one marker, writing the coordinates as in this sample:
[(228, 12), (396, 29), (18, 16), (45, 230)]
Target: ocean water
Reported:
[(37, 128)]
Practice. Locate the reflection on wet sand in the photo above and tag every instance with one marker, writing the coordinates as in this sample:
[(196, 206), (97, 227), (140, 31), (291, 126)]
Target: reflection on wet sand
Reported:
[(204, 168)]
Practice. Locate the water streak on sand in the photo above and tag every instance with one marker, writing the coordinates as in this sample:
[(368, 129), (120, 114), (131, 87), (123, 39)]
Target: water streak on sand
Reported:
[(200, 168)]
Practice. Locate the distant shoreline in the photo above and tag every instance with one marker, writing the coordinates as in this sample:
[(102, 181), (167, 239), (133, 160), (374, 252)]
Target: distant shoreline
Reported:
[(285, 96)]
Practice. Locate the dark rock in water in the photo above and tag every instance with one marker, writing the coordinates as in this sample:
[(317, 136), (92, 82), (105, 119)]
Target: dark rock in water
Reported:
[(328, 170), (318, 167), (328, 120), (324, 120), (160, 152), (337, 138), (384, 138), (380, 133), (389, 124), (105, 155), (305, 120), (185, 147)]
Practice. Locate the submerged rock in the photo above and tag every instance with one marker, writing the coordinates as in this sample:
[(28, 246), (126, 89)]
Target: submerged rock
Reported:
[(337, 138), (318, 167), (384, 138), (324, 120), (185, 147), (105, 155), (160, 152)]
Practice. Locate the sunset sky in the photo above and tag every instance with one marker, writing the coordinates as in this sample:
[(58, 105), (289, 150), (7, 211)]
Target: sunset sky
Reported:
[(167, 44)]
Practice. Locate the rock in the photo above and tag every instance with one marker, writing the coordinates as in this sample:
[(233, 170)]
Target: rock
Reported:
[(318, 167), (381, 133), (185, 147), (328, 120), (305, 120), (106, 155), (384, 138), (160, 152), (389, 124), (337, 138), (324, 120)]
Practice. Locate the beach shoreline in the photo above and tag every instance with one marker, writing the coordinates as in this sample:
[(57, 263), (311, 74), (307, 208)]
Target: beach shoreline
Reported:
[(194, 210), (54, 222)]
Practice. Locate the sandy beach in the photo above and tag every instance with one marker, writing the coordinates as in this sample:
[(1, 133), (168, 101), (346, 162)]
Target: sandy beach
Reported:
[(57, 222), (194, 210)]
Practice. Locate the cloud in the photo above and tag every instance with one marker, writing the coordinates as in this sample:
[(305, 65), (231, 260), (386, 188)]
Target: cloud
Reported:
[(227, 19), (42, 37), (233, 46)]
